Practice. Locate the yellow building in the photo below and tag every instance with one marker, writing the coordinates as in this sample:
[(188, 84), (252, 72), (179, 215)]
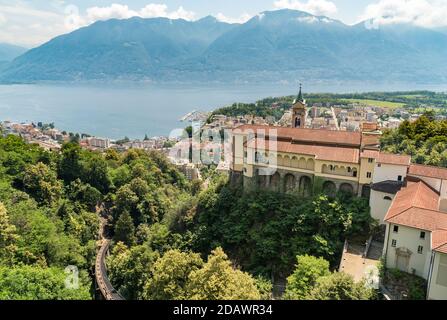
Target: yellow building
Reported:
[(287, 159)]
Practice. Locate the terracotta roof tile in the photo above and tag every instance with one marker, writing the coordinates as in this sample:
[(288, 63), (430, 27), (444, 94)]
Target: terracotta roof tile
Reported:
[(396, 159), (347, 155), (417, 206), (414, 195), (439, 240), (374, 154), (419, 218), (428, 171), (309, 135)]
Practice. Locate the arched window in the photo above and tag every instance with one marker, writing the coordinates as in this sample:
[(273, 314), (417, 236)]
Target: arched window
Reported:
[(387, 198)]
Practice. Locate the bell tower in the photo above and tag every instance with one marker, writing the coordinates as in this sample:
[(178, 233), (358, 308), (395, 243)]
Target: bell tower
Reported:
[(299, 111)]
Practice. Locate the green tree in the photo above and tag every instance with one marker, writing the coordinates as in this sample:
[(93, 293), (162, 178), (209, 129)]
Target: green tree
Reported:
[(217, 280), (340, 286), (70, 167), (125, 229), (96, 174), (35, 283), (307, 271), (84, 194), (41, 183), (170, 275), (130, 269), (8, 237)]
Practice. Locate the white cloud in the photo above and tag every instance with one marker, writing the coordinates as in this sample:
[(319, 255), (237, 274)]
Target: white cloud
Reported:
[(26, 26), (3, 19), (424, 13), (315, 7), (119, 11), (242, 18), (23, 24)]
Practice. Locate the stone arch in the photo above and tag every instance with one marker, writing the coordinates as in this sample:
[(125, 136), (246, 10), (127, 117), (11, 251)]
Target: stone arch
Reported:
[(294, 162), (261, 179), (275, 181), (280, 160), (302, 163), (305, 186), (287, 161), (347, 188), (289, 182), (330, 188), (310, 165)]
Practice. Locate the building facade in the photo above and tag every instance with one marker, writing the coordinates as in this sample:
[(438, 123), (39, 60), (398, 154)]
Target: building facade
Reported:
[(409, 200)]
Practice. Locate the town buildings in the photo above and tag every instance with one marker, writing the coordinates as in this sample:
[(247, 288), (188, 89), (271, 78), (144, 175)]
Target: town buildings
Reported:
[(409, 200)]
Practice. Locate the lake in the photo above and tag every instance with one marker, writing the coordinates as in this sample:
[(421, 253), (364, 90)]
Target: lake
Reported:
[(116, 111)]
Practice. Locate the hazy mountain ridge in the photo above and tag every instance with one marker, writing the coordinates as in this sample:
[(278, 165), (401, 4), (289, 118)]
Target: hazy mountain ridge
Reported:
[(9, 52), (272, 46)]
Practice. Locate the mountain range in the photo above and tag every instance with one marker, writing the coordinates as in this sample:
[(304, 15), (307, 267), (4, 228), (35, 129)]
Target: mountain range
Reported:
[(282, 45), (9, 52)]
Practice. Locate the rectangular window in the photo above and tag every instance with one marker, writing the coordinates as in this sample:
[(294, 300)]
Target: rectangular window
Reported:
[(379, 165), (370, 160), (394, 243), (368, 174), (422, 236), (399, 178), (420, 249), (395, 229)]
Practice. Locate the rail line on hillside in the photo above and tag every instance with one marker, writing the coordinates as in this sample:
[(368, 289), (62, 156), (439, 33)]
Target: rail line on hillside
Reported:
[(102, 280)]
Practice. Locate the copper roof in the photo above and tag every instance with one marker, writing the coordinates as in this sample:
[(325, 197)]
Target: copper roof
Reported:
[(428, 171), (396, 159)]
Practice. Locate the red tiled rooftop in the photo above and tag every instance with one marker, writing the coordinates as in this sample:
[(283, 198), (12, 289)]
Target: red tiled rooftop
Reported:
[(419, 218), (374, 154), (414, 195), (308, 135), (396, 159), (428, 171), (417, 206), (347, 155), (439, 240)]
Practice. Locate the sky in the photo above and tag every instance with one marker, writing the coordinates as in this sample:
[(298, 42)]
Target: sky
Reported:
[(30, 23)]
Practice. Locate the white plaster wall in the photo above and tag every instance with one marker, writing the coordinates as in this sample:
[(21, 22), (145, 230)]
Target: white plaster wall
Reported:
[(388, 172), (379, 206), (437, 291), (410, 238)]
